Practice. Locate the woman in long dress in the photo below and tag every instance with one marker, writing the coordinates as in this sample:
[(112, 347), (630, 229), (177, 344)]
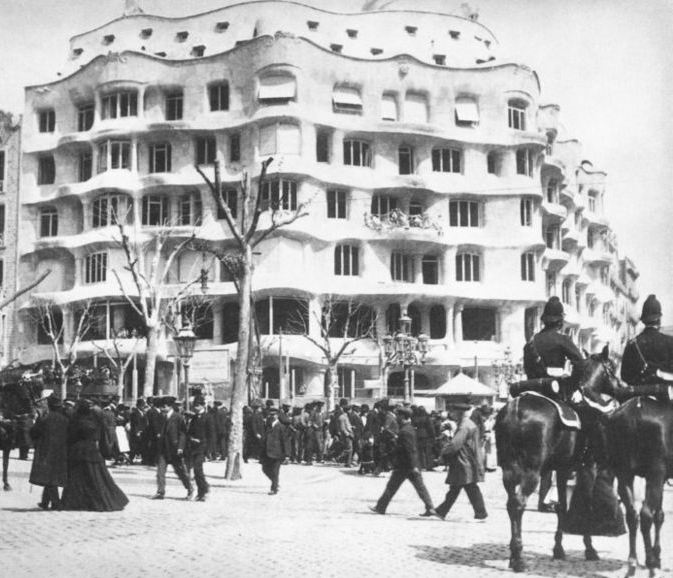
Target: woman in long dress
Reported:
[(90, 486)]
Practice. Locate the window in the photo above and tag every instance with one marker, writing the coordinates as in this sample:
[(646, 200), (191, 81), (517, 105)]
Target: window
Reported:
[(411, 30), (464, 214), (346, 260), (437, 322), (440, 59), (389, 107), (346, 100), (155, 211), (95, 268), (85, 116), (405, 157), (322, 146), (110, 209), (468, 267), (174, 105), (430, 270), (48, 222), (415, 108), (492, 163), (230, 198), (592, 201), (218, 96), (206, 151), (516, 114), (222, 26), (190, 209), (416, 209), (46, 170), (526, 211), (552, 236), (467, 112), (567, 291), (551, 283), (160, 158), (198, 50), (275, 314), (401, 267), (85, 166), (119, 104), (2, 171), (47, 120), (393, 314), (277, 89), (235, 147), (525, 162), (114, 154), (279, 194), (383, 204), (357, 153), (552, 191), (446, 160), (479, 324), (279, 139), (336, 48), (528, 266), (337, 204), (312, 24)]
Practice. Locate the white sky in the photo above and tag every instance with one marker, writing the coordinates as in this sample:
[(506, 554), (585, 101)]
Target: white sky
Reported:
[(605, 62)]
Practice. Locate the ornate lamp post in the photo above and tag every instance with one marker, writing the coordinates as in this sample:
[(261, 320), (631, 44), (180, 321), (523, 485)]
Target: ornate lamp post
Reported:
[(184, 342), (506, 372), (405, 350)]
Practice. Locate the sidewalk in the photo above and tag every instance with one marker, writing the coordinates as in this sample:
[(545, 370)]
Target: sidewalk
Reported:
[(319, 525)]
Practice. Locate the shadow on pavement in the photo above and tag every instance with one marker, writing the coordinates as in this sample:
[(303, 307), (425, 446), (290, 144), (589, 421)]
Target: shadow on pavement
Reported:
[(496, 556)]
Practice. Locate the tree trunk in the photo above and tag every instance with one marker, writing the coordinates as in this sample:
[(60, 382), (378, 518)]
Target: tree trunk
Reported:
[(330, 387), (150, 361), (239, 393), (120, 382)]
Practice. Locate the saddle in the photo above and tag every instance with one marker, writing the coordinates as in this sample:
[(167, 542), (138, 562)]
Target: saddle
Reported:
[(567, 414)]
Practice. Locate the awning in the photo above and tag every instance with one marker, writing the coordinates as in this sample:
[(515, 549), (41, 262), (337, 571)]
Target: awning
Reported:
[(277, 87), (461, 384), (388, 107), (467, 111), (346, 96)]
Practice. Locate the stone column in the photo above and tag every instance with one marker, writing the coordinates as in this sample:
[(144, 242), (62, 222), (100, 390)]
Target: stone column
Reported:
[(458, 323)]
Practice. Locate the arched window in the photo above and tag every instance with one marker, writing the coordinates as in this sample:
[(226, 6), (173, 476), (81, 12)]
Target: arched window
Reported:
[(437, 322), (468, 267), (110, 209), (516, 114), (48, 222), (346, 260), (415, 315), (190, 209)]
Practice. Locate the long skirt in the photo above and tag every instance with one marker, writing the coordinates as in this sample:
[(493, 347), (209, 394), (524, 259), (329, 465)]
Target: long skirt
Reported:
[(91, 487)]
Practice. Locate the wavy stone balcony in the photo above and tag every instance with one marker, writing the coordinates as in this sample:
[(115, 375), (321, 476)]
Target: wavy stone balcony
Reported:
[(397, 220), (555, 258), (554, 211)]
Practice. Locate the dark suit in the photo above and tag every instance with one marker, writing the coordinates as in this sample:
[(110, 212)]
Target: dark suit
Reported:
[(171, 442), (197, 433), (656, 348), (554, 349), (50, 462), (406, 466), (273, 452)]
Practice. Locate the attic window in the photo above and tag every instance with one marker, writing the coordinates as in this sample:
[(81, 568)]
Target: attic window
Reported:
[(77, 51), (198, 50), (108, 39), (312, 25), (487, 43), (439, 59), (221, 26), (145, 33), (182, 35), (376, 51), (455, 34), (352, 33), (411, 30), (162, 54), (336, 48)]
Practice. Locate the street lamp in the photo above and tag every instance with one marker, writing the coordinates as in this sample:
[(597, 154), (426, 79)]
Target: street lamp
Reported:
[(184, 342), (506, 372), (405, 350)]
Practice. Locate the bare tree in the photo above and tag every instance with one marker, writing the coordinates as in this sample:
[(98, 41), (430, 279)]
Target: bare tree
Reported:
[(342, 323), (118, 357), (14, 296), (149, 294), (247, 235), (50, 318)]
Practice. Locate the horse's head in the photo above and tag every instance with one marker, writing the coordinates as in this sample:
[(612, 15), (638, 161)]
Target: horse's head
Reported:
[(598, 376)]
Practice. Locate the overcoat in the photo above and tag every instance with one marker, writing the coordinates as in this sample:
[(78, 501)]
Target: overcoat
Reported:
[(463, 451), (656, 348), (50, 462)]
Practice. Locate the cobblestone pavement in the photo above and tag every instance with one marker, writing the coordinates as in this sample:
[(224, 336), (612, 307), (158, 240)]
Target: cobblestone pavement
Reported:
[(318, 525)]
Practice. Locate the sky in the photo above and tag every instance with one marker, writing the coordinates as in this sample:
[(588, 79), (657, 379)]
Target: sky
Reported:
[(607, 64)]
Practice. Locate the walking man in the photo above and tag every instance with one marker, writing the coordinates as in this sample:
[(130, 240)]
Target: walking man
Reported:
[(198, 444), (171, 441), (406, 466), (273, 448)]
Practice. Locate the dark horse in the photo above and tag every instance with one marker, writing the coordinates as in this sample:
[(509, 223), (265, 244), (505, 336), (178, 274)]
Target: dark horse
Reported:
[(531, 440), (19, 391), (640, 443)]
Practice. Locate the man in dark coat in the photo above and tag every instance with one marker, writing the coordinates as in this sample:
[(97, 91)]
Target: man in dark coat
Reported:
[(198, 442), (222, 425), (466, 467), (650, 350), (171, 442), (50, 463), (138, 429), (406, 466), (425, 433), (153, 427), (388, 437), (273, 448)]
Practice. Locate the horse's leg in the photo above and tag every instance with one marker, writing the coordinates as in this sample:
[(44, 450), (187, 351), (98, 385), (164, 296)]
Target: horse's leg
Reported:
[(625, 490), (651, 507), (561, 510), (658, 523), (5, 466), (516, 503)]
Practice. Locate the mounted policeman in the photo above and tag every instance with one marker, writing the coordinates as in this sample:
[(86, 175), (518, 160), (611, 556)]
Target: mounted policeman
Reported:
[(648, 357)]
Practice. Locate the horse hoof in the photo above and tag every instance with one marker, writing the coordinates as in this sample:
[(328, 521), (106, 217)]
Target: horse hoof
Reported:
[(591, 556), (517, 565), (6, 487), (631, 570), (559, 554)]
